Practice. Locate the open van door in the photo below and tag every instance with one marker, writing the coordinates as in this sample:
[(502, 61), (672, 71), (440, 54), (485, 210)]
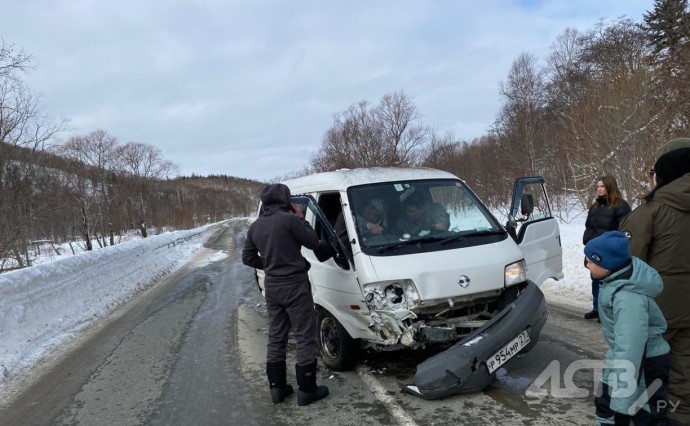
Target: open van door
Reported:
[(335, 288), (330, 246), (535, 230)]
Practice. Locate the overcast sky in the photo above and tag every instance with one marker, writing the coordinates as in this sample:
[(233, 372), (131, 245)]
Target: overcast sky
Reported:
[(248, 88)]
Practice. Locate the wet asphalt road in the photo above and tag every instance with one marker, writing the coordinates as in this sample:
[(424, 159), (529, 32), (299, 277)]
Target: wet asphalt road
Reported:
[(191, 351)]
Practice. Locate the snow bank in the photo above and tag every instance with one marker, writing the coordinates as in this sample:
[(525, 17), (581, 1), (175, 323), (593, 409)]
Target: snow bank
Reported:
[(43, 306)]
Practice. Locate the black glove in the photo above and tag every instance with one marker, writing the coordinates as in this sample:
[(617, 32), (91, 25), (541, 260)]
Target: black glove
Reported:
[(324, 251)]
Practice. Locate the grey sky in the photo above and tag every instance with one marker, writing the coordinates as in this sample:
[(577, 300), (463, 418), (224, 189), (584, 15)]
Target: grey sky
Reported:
[(247, 88)]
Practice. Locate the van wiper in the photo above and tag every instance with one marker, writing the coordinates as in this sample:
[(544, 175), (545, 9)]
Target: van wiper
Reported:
[(453, 238), (418, 241), (396, 246), (465, 236), (485, 232)]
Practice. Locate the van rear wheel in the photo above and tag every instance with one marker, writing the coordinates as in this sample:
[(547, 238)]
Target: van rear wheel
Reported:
[(338, 350)]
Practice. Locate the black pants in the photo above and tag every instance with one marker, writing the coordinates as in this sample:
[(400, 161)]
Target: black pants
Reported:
[(679, 378), (289, 306), (652, 368)]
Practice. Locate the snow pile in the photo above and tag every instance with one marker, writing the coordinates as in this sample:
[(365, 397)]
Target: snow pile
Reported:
[(43, 306), (575, 289)]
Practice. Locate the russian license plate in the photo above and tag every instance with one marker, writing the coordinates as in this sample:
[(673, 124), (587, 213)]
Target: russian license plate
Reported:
[(508, 351)]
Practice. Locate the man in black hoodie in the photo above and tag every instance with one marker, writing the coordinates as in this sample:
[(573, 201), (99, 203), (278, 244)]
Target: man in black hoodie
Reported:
[(273, 244)]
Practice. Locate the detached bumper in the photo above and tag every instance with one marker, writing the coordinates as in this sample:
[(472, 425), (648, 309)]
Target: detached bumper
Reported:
[(462, 368)]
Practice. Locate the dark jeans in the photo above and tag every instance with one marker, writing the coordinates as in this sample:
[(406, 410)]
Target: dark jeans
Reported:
[(595, 293), (652, 368), (289, 306)]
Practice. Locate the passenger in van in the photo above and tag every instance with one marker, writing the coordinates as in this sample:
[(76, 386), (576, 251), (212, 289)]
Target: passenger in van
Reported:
[(373, 219), (274, 243), (417, 217)]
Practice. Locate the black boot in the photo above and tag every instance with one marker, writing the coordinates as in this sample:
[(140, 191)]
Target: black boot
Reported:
[(280, 389), (593, 314), (306, 381)]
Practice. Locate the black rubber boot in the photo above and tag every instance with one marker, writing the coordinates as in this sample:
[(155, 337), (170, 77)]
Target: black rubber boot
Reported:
[(277, 380), (306, 381), (592, 314)]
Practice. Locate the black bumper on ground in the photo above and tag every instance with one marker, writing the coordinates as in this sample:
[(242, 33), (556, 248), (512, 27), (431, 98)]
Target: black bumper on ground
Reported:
[(462, 367)]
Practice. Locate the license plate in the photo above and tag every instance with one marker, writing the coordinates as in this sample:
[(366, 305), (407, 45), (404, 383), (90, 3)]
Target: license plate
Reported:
[(508, 351)]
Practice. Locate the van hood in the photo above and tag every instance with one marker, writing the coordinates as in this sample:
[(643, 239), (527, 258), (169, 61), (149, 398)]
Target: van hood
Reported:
[(448, 273)]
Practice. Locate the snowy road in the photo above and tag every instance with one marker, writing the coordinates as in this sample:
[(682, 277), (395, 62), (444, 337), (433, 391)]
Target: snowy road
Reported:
[(191, 351)]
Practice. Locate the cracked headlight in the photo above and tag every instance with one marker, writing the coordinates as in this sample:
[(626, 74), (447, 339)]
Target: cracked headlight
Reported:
[(515, 273), (393, 294)]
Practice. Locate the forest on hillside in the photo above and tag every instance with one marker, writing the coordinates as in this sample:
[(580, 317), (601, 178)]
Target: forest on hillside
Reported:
[(90, 189)]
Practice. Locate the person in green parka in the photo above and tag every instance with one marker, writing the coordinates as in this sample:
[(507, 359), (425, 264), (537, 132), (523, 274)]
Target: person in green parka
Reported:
[(638, 357), (659, 232)]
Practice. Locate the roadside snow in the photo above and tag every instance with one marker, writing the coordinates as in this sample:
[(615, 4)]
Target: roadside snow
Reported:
[(44, 306), (575, 289)]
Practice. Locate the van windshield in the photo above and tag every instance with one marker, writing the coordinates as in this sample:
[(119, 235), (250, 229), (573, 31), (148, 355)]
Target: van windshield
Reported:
[(417, 216)]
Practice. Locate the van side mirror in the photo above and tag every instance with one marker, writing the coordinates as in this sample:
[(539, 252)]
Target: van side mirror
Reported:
[(526, 204), (511, 226)]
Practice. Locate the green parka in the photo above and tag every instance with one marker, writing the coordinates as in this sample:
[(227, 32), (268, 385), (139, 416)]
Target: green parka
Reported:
[(659, 232)]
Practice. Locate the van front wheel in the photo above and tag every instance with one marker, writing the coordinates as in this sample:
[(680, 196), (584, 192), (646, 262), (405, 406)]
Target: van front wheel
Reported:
[(338, 349)]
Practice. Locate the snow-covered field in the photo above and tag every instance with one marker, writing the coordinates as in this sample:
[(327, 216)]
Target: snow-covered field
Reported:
[(44, 306)]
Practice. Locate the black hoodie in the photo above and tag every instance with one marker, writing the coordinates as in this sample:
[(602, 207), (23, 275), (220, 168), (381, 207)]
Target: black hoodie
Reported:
[(275, 239)]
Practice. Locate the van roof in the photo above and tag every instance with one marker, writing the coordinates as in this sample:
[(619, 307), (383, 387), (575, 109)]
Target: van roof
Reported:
[(342, 179)]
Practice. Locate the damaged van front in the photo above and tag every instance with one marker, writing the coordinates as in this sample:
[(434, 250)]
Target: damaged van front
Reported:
[(469, 364), (412, 258)]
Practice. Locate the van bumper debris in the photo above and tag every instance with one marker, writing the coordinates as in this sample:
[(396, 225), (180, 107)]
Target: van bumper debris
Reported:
[(463, 367)]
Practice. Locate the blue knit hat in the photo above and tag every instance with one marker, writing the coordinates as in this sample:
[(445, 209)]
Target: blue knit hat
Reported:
[(609, 250)]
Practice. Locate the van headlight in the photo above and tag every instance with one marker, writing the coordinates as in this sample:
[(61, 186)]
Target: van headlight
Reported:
[(392, 294), (515, 273)]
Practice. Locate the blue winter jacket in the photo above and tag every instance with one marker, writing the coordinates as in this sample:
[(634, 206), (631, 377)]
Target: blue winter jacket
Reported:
[(632, 324)]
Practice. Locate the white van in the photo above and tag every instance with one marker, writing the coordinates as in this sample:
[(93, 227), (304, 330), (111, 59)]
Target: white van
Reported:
[(469, 284)]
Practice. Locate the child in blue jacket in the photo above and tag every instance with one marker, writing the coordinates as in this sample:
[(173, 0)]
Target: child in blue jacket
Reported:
[(638, 357)]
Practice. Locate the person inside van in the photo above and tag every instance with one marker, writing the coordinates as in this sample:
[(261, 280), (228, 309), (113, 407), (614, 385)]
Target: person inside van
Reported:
[(417, 217), (373, 219)]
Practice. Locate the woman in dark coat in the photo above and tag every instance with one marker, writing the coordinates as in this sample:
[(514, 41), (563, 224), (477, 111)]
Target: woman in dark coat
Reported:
[(605, 214)]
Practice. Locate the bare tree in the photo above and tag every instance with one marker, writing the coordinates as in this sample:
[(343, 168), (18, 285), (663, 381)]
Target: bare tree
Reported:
[(611, 128), (567, 74), (12, 62), (22, 124), (97, 151), (442, 152), (518, 125), (368, 136), (396, 115), (145, 165)]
